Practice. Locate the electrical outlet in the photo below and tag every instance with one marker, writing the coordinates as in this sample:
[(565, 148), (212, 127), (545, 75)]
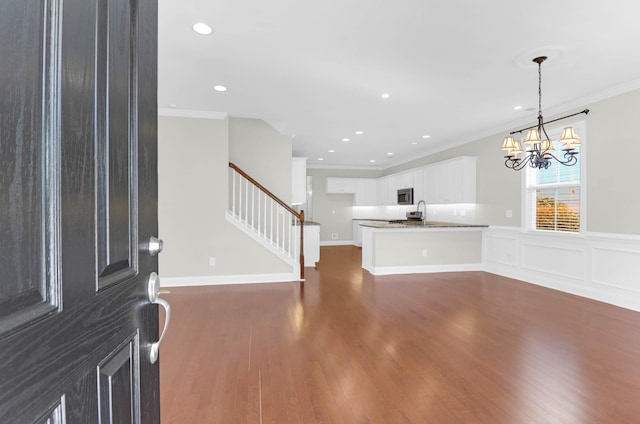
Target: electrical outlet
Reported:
[(334, 236), (463, 213), (509, 213), (425, 253), (212, 261)]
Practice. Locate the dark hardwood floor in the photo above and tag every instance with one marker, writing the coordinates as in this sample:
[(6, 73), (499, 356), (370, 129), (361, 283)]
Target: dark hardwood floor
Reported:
[(466, 347)]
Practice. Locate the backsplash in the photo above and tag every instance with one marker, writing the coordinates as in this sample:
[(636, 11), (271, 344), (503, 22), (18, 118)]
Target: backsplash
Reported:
[(464, 213)]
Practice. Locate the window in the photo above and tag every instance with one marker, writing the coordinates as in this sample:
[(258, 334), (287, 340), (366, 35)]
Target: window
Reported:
[(555, 195)]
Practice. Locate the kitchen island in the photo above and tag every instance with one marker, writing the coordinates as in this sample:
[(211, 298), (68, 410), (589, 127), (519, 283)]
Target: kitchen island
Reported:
[(419, 247)]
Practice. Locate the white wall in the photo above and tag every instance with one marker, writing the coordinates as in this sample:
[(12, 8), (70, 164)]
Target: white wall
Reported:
[(193, 156)]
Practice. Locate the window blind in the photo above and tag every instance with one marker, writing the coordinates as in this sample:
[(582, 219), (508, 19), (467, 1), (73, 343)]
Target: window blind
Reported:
[(557, 195)]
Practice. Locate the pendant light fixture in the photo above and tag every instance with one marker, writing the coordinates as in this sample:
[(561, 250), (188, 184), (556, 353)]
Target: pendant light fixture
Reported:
[(539, 147)]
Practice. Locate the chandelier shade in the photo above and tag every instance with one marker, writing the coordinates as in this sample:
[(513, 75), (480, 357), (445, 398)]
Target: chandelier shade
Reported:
[(532, 137), (538, 152)]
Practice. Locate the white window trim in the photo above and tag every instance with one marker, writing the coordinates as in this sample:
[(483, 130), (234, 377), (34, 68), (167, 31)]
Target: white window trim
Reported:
[(527, 202)]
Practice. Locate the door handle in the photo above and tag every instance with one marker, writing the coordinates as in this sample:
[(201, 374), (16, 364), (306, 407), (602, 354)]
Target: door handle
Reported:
[(153, 292), (155, 246)]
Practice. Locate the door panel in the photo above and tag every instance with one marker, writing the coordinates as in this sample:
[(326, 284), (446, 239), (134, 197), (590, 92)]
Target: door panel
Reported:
[(118, 385), (78, 143), (29, 278), (117, 168)]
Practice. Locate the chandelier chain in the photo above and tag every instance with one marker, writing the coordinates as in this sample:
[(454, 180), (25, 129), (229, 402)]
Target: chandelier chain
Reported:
[(540, 88)]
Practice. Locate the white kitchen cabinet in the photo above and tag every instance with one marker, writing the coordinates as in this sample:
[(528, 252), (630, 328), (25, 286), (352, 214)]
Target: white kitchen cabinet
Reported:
[(383, 191), (430, 183), (455, 180), (393, 184), (341, 185), (366, 192), (311, 243), (405, 180), (418, 186), (298, 181)]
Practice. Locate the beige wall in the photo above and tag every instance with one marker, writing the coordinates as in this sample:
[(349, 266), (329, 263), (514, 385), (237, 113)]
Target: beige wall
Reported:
[(193, 156), (263, 153), (613, 195), (404, 249)]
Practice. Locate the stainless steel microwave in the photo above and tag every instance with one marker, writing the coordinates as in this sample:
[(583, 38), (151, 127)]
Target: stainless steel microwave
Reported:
[(405, 196)]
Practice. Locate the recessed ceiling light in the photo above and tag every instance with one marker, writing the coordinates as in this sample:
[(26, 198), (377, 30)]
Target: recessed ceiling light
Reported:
[(345, 139), (320, 158), (220, 88), (414, 142), (359, 132), (332, 151), (517, 108), (173, 105), (385, 95), (372, 161), (390, 154), (202, 28), (426, 136)]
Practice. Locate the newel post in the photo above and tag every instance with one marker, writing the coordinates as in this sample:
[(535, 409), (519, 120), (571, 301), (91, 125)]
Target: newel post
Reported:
[(302, 245)]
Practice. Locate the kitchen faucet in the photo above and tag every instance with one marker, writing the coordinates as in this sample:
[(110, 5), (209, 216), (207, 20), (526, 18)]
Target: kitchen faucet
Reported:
[(425, 209)]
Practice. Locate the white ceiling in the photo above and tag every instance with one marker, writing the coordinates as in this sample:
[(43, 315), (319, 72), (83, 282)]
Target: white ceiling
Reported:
[(454, 69)]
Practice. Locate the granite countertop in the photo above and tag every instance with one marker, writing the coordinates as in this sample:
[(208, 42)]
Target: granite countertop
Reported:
[(425, 224), (296, 223)]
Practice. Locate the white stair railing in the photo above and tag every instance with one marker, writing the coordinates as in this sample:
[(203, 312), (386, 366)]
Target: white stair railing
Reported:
[(267, 218)]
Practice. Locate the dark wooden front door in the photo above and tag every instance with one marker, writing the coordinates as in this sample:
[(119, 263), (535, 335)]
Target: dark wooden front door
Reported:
[(78, 204)]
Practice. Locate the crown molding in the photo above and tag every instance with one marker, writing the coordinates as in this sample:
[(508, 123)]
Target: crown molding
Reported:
[(184, 113), (346, 167)]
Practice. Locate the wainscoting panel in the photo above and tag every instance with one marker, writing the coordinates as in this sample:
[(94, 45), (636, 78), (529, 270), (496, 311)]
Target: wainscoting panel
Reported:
[(502, 248), (598, 266), (616, 268), (553, 259)]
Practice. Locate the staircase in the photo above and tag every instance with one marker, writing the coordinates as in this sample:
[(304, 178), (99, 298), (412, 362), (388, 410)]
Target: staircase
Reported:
[(265, 218)]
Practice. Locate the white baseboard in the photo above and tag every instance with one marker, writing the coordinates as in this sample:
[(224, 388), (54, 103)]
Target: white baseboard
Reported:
[(424, 269), (214, 280), (336, 243)]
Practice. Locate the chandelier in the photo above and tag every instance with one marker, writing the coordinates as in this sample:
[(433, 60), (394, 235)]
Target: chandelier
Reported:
[(540, 151)]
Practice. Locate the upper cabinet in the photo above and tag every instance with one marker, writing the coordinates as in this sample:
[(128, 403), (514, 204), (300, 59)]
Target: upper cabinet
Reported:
[(298, 181), (405, 180), (366, 192), (341, 185), (418, 185), (452, 181), (383, 191), (429, 183), (393, 184)]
